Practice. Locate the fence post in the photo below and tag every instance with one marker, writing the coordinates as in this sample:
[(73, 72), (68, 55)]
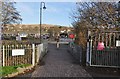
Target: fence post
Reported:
[(3, 55), (90, 52), (33, 54)]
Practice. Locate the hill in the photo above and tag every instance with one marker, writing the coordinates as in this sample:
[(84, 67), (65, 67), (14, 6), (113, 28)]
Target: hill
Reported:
[(31, 28)]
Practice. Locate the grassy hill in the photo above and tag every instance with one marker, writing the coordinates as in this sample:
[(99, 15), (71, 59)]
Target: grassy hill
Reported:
[(30, 28)]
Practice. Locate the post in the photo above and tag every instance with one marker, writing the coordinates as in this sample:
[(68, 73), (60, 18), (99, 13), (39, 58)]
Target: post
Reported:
[(33, 54), (88, 48), (40, 20), (3, 55), (90, 52)]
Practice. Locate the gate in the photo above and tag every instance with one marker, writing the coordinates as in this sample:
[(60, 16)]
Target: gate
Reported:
[(104, 49)]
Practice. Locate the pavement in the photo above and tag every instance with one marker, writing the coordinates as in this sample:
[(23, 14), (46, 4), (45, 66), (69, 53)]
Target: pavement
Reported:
[(58, 63)]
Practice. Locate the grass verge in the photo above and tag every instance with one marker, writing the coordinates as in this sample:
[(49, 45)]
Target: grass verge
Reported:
[(4, 71)]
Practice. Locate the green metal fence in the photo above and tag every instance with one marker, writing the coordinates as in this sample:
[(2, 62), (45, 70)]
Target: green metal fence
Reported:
[(109, 56)]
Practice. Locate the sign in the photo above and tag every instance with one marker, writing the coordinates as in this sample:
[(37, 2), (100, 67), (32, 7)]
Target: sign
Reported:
[(118, 43), (72, 36), (18, 38), (16, 52), (23, 35)]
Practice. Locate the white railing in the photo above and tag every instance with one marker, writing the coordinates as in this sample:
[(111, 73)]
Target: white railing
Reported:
[(17, 54), (13, 55), (41, 50)]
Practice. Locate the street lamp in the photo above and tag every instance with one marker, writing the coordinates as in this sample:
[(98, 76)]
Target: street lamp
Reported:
[(41, 17)]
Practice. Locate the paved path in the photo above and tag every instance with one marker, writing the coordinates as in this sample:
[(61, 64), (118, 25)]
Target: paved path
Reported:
[(59, 63)]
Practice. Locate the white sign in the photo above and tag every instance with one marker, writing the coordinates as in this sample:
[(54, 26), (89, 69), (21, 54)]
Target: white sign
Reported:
[(16, 52), (18, 38), (117, 43)]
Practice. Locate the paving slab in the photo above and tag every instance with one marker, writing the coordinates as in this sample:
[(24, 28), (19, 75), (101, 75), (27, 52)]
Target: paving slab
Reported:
[(59, 63)]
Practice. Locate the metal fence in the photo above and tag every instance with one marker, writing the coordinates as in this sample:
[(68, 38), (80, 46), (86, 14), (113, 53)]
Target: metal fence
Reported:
[(75, 51), (16, 54), (106, 58), (42, 49), (109, 56), (13, 55)]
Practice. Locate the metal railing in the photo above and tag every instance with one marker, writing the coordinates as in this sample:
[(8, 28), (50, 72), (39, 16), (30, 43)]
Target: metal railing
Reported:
[(109, 54), (13, 55), (10, 58), (106, 58), (41, 51)]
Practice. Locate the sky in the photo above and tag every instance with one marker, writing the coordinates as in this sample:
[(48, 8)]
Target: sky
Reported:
[(56, 13)]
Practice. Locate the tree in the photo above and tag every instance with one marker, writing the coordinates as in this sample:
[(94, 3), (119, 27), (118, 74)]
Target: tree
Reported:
[(9, 14), (95, 15)]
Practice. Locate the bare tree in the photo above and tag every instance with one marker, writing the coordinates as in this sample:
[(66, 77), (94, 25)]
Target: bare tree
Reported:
[(95, 15), (9, 13)]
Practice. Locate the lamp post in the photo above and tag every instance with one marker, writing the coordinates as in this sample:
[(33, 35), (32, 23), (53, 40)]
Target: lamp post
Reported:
[(41, 17)]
